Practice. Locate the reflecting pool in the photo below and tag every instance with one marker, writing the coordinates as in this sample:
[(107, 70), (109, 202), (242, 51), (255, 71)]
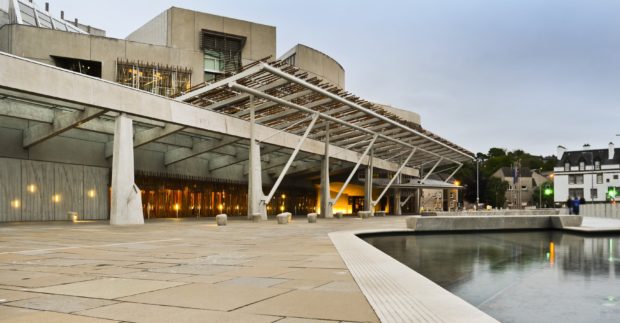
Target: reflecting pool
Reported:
[(537, 276)]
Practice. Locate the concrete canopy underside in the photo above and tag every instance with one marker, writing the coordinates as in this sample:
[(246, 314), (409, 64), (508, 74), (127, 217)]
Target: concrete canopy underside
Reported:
[(64, 100)]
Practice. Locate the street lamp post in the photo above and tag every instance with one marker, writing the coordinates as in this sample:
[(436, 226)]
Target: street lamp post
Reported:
[(477, 183)]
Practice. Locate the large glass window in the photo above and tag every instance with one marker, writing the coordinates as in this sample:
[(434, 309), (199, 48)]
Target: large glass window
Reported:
[(92, 68), (599, 178), (222, 54), (154, 78)]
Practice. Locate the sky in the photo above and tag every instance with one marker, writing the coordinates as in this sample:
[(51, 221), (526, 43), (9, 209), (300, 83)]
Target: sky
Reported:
[(515, 74)]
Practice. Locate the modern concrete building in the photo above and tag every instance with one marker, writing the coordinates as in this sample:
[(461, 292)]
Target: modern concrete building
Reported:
[(588, 173), (191, 115)]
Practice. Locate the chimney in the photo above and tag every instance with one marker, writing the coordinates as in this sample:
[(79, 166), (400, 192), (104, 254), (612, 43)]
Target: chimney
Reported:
[(586, 146), (612, 150), (47, 7), (561, 150), (62, 14), (76, 22)]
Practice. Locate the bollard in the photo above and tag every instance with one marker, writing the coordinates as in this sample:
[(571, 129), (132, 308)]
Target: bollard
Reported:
[(283, 218), (364, 214), (73, 216), (380, 213), (221, 219), (312, 217), (338, 215)]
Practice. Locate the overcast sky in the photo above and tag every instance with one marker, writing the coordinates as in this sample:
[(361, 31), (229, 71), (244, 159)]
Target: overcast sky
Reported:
[(521, 74)]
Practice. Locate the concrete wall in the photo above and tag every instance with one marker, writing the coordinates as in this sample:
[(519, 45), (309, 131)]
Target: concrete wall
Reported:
[(40, 44), (600, 210), (45, 191), (153, 32), (181, 28), (317, 63)]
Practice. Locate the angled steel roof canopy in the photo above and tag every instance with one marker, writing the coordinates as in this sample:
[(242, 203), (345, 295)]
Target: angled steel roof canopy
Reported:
[(285, 98)]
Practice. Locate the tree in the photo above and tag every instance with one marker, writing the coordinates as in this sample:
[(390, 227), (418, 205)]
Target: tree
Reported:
[(496, 192), (547, 194)]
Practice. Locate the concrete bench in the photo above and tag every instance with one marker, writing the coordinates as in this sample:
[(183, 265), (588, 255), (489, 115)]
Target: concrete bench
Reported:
[(380, 213), (283, 218), (312, 217), (338, 215), (364, 214), (221, 219), (256, 217)]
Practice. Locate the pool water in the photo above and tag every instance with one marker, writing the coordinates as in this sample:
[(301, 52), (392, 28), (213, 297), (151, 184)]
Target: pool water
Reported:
[(536, 276)]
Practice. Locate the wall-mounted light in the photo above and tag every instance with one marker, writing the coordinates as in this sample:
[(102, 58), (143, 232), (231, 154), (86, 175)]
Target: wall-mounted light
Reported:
[(31, 188), (56, 198), (16, 204), (91, 193), (220, 207)]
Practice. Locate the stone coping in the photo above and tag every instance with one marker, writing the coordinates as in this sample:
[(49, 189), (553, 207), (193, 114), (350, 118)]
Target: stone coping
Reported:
[(396, 292)]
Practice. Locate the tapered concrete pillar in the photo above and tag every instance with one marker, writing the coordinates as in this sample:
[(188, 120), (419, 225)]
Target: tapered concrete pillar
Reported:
[(326, 207), (397, 209), (368, 184), (255, 181), (126, 204)]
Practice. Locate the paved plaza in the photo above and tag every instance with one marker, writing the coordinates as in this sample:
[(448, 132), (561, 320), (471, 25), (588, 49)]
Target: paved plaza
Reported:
[(180, 270)]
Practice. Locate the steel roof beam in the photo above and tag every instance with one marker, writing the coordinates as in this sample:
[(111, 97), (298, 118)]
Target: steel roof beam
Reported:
[(294, 79)]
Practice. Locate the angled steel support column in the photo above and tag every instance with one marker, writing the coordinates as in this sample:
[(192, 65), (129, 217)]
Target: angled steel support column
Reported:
[(406, 199), (359, 161), (397, 208), (268, 198), (368, 184), (432, 170), (126, 204), (454, 172), (255, 181), (326, 209), (400, 169)]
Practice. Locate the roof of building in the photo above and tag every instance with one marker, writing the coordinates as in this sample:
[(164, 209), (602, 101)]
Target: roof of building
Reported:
[(589, 156), (523, 172), (286, 98)]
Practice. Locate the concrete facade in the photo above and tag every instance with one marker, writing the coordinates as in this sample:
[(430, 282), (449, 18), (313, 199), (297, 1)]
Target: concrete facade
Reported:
[(100, 133), (588, 173), (317, 63)]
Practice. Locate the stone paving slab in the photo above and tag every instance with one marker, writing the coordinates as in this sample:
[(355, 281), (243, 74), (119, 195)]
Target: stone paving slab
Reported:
[(207, 296), (60, 303), (108, 288), (181, 270), (131, 312), (24, 315), (316, 304)]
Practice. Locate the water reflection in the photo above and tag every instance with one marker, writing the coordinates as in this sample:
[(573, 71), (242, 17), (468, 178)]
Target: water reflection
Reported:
[(538, 276)]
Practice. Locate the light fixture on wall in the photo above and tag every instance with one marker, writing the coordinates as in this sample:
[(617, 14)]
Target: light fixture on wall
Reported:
[(92, 193), (16, 203), (56, 198), (31, 188)]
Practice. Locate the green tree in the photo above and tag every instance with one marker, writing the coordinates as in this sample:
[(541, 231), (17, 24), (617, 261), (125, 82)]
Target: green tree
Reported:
[(496, 192), (546, 196)]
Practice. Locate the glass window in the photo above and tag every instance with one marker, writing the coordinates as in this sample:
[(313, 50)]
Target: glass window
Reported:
[(599, 178), (597, 165), (579, 179), (615, 176), (567, 167), (582, 165), (162, 80), (593, 193), (575, 192)]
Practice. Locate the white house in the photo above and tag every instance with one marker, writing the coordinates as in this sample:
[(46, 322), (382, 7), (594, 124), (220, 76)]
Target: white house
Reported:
[(587, 173)]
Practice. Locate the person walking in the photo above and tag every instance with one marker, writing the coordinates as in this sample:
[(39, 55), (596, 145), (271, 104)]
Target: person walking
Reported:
[(576, 206), (569, 205)]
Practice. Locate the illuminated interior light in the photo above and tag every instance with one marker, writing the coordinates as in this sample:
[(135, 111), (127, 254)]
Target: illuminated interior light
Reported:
[(92, 193), (31, 188)]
